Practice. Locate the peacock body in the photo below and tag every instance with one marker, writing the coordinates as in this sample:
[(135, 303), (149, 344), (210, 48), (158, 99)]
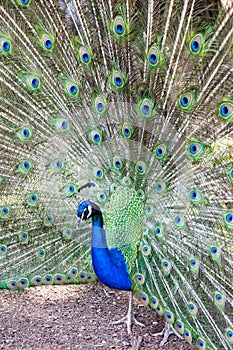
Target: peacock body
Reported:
[(123, 109)]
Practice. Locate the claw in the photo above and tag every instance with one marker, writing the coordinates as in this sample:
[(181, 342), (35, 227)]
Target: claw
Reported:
[(166, 332), (129, 319)]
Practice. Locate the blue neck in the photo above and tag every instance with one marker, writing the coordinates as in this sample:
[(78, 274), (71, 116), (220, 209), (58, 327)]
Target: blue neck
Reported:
[(109, 265)]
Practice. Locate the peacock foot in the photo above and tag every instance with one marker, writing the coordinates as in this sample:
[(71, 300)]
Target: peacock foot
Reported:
[(166, 332), (129, 319)]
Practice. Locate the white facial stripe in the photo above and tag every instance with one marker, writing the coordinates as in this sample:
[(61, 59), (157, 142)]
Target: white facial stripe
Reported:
[(89, 211), (82, 216)]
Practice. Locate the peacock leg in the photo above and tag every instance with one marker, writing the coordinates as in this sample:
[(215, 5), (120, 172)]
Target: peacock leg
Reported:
[(129, 319), (166, 332)]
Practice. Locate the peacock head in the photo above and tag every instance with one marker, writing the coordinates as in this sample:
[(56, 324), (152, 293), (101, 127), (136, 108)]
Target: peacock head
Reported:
[(86, 210)]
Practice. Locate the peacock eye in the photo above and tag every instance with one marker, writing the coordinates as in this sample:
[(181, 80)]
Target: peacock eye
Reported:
[(113, 188), (127, 130), (126, 181), (69, 190), (98, 173), (95, 136), (160, 151), (153, 56), (57, 165), (186, 101), (194, 148), (5, 45), (34, 82), (47, 42), (119, 26), (192, 309), (3, 250), (196, 44), (101, 197), (118, 163), (84, 55), (33, 199), (141, 194), (160, 187), (71, 89), (100, 105), (169, 317), (158, 231), (229, 335), (146, 108), (62, 124), (4, 212), (118, 79), (153, 302), (25, 167), (24, 134), (166, 267), (23, 237), (139, 278), (196, 196), (228, 219), (140, 167), (201, 344), (225, 110)]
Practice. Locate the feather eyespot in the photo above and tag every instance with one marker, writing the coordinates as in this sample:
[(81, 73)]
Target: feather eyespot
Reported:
[(229, 335), (119, 27), (5, 45), (33, 199), (117, 79), (126, 130), (4, 212), (47, 42), (169, 317), (101, 197), (71, 89), (160, 151), (139, 279), (23, 237), (12, 285), (33, 83), (25, 167), (98, 173), (140, 167), (3, 250), (179, 326), (196, 45), (225, 111), (186, 101), (153, 57), (24, 133), (153, 302), (192, 309), (188, 335), (100, 105), (84, 55), (201, 344), (69, 190), (126, 181), (23, 283), (228, 219), (95, 136), (117, 163)]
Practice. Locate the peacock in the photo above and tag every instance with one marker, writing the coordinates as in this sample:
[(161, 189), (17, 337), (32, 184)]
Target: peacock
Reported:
[(116, 154)]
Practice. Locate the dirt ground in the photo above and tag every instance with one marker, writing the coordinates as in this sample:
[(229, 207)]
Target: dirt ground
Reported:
[(76, 317)]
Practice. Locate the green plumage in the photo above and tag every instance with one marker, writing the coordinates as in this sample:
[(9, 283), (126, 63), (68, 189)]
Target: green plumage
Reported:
[(129, 104)]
